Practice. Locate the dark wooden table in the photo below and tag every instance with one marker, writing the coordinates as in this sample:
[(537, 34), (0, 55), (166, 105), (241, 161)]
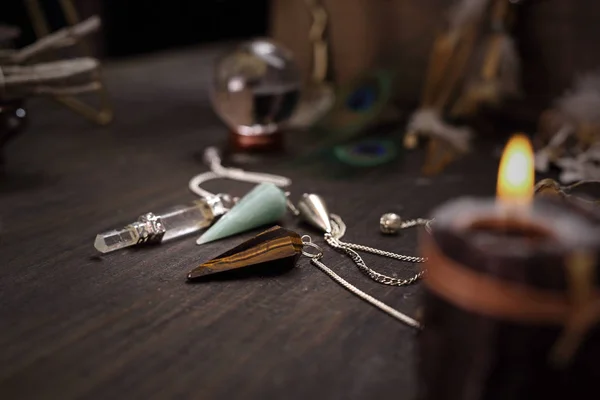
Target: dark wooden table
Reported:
[(74, 324)]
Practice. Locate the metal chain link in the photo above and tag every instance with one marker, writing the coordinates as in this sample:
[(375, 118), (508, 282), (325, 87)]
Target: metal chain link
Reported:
[(349, 248), (315, 259), (367, 297)]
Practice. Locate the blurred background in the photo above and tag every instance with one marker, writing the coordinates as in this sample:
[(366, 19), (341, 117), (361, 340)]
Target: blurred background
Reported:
[(548, 45), (556, 39), (134, 26)]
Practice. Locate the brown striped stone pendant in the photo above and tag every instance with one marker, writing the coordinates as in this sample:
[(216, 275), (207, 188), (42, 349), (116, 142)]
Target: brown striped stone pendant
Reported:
[(276, 243)]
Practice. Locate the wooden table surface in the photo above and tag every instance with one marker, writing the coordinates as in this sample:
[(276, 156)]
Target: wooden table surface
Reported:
[(74, 324)]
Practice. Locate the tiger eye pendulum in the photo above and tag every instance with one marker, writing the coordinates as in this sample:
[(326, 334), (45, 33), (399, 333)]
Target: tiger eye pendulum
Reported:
[(276, 243)]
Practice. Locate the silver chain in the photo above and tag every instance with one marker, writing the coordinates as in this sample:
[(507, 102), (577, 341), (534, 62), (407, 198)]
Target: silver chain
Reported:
[(334, 241), (217, 171), (315, 259)]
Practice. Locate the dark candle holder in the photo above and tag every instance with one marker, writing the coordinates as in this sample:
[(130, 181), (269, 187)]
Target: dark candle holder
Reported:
[(511, 303)]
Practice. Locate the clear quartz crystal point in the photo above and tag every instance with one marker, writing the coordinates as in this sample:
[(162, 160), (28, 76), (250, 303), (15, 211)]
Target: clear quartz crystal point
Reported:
[(116, 239), (173, 223)]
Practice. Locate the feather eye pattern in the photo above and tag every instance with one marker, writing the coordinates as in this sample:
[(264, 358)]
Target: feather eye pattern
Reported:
[(343, 142)]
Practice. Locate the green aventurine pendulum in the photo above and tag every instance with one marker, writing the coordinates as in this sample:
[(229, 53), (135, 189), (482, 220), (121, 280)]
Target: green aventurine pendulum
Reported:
[(264, 205), (269, 203)]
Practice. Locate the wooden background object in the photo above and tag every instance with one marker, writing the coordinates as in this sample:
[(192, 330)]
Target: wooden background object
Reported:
[(127, 325), (556, 39)]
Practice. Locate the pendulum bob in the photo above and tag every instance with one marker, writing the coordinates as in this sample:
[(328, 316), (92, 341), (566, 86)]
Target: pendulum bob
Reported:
[(263, 205), (13, 120), (511, 307), (275, 244), (313, 210)]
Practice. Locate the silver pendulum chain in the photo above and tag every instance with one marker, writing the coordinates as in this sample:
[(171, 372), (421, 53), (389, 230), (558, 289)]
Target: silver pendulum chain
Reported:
[(313, 210), (217, 171), (339, 228), (315, 259)]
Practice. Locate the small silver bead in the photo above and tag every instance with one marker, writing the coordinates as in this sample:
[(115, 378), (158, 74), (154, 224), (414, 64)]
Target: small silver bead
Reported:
[(390, 223)]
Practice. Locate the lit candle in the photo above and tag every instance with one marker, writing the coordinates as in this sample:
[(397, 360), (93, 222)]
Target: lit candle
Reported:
[(510, 297), (516, 173)]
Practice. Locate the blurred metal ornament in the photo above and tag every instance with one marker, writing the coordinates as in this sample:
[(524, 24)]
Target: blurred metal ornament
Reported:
[(390, 223), (255, 91)]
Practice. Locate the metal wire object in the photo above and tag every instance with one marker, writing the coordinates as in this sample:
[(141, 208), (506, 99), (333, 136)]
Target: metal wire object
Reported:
[(339, 228), (315, 259)]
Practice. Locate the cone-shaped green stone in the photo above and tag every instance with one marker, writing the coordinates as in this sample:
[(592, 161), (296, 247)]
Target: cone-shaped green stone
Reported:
[(265, 204)]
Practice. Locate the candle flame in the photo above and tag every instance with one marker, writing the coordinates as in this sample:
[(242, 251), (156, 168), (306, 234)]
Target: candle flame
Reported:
[(516, 174)]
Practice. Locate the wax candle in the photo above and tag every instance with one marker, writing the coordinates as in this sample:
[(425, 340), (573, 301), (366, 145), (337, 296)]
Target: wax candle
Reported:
[(512, 296)]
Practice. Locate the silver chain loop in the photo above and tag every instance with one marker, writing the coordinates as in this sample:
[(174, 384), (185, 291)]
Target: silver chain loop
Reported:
[(315, 259), (334, 241)]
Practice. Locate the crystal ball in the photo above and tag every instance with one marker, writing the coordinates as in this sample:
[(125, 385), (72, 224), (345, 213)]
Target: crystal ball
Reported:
[(256, 87)]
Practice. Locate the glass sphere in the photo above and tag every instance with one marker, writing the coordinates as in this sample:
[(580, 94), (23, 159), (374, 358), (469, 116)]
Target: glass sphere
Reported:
[(256, 87)]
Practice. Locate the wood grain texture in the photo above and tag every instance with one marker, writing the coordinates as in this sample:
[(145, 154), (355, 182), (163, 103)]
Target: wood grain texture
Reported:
[(127, 325)]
